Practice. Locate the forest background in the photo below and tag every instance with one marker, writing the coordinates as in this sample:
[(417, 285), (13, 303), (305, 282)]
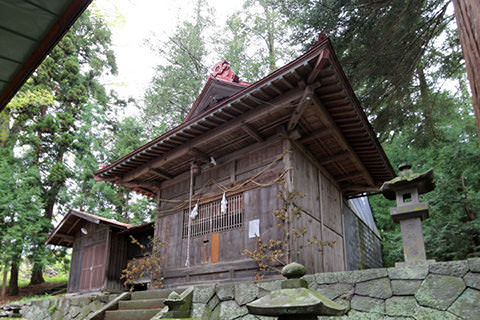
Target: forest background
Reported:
[(403, 58)]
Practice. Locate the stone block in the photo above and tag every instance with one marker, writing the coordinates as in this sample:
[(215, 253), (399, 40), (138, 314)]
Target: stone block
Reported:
[(405, 287), (230, 310), (269, 285), (245, 292), (474, 264), (438, 291), (467, 305), (423, 313), (327, 277), (378, 288), (311, 282), (472, 280), (361, 275), (203, 294), (333, 291), (452, 268), (400, 306), (225, 292), (408, 273), (198, 309), (368, 304), (212, 304)]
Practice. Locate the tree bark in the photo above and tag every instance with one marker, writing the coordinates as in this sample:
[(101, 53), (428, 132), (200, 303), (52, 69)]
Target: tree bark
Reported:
[(13, 284), (37, 274), (4, 282), (467, 13)]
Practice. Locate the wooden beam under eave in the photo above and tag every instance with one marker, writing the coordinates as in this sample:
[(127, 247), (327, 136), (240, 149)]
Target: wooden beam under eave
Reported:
[(348, 176), (334, 157), (199, 155), (360, 188), (317, 134), (224, 129), (65, 237), (251, 132), (161, 173), (139, 184), (329, 122), (300, 109)]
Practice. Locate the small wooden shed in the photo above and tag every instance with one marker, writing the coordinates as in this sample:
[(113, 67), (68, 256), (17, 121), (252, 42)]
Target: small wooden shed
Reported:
[(300, 127), (100, 250)]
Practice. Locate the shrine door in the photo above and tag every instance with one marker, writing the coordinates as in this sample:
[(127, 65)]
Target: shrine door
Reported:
[(93, 267)]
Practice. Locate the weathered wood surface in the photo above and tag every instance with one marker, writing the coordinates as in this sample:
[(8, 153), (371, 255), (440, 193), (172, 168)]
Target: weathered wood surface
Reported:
[(323, 202), (467, 13)]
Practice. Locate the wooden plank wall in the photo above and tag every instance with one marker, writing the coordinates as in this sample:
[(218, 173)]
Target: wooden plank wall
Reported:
[(96, 234), (323, 201), (117, 262), (259, 202)]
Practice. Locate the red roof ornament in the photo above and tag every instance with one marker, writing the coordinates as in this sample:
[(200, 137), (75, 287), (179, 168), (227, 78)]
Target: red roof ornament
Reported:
[(223, 71)]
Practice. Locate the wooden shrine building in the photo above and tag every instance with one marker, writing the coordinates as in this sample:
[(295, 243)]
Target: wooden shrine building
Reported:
[(101, 249), (301, 126)]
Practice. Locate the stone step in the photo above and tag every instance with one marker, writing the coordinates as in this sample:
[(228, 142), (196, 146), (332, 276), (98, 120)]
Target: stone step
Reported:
[(141, 304), (152, 294), (140, 314)]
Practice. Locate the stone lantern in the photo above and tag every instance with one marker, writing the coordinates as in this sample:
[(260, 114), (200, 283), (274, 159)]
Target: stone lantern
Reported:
[(410, 212), (294, 301)]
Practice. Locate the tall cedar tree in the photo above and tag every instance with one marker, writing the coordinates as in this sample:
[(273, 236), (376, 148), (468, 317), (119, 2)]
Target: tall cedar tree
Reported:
[(177, 82), (380, 44), (48, 129)]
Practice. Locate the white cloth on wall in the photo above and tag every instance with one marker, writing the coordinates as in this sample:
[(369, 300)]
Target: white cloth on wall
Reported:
[(223, 204), (194, 212)]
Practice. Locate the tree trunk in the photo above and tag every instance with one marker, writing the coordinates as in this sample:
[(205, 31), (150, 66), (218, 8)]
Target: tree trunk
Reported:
[(467, 13), (4, 282), (13, 284), (37, 274)]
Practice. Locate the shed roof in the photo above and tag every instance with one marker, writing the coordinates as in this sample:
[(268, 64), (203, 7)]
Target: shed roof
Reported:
[(64, 233), (29, 29), (309, 97)]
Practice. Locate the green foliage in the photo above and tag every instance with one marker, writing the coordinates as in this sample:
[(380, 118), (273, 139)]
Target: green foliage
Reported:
[(453, 230), (177, 82), (381, 45)]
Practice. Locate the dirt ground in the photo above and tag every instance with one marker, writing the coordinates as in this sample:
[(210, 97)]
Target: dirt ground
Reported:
[(35, 290)]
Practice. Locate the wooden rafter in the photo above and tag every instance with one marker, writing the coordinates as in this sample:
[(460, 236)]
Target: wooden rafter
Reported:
[(161, 173), (317, 134), (199, 155), (327, 118), (348, 176), (251, 132), (65, 237), (335, 157), (300, 109), (321, 61), (225, 128)]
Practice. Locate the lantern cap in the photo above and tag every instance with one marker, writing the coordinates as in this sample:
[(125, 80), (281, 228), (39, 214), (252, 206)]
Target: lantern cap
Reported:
[(406, 178), (295, 299)]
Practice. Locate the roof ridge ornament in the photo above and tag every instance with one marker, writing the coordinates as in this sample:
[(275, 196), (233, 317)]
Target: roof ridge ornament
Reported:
[(222, 71)]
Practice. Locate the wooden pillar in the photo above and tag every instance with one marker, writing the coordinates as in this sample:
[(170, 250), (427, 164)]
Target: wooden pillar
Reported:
[(467, 13), (289, 185)]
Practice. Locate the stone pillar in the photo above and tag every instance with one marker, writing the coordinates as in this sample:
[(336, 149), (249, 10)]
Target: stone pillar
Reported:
[(409, 212), (412, 237)]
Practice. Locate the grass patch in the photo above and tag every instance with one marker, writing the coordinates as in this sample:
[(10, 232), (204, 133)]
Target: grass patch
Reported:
[(56, 279), (33, 298)]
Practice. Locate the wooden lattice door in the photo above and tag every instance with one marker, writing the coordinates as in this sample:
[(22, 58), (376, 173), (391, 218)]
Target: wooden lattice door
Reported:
[(93, 267)]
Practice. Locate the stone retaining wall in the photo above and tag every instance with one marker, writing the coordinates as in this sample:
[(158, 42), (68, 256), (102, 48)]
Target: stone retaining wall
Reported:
[(65, 308), (443, 290)]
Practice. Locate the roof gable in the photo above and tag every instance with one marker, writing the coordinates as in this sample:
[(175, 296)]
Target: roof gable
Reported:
[(221, 84), (65, 231)]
